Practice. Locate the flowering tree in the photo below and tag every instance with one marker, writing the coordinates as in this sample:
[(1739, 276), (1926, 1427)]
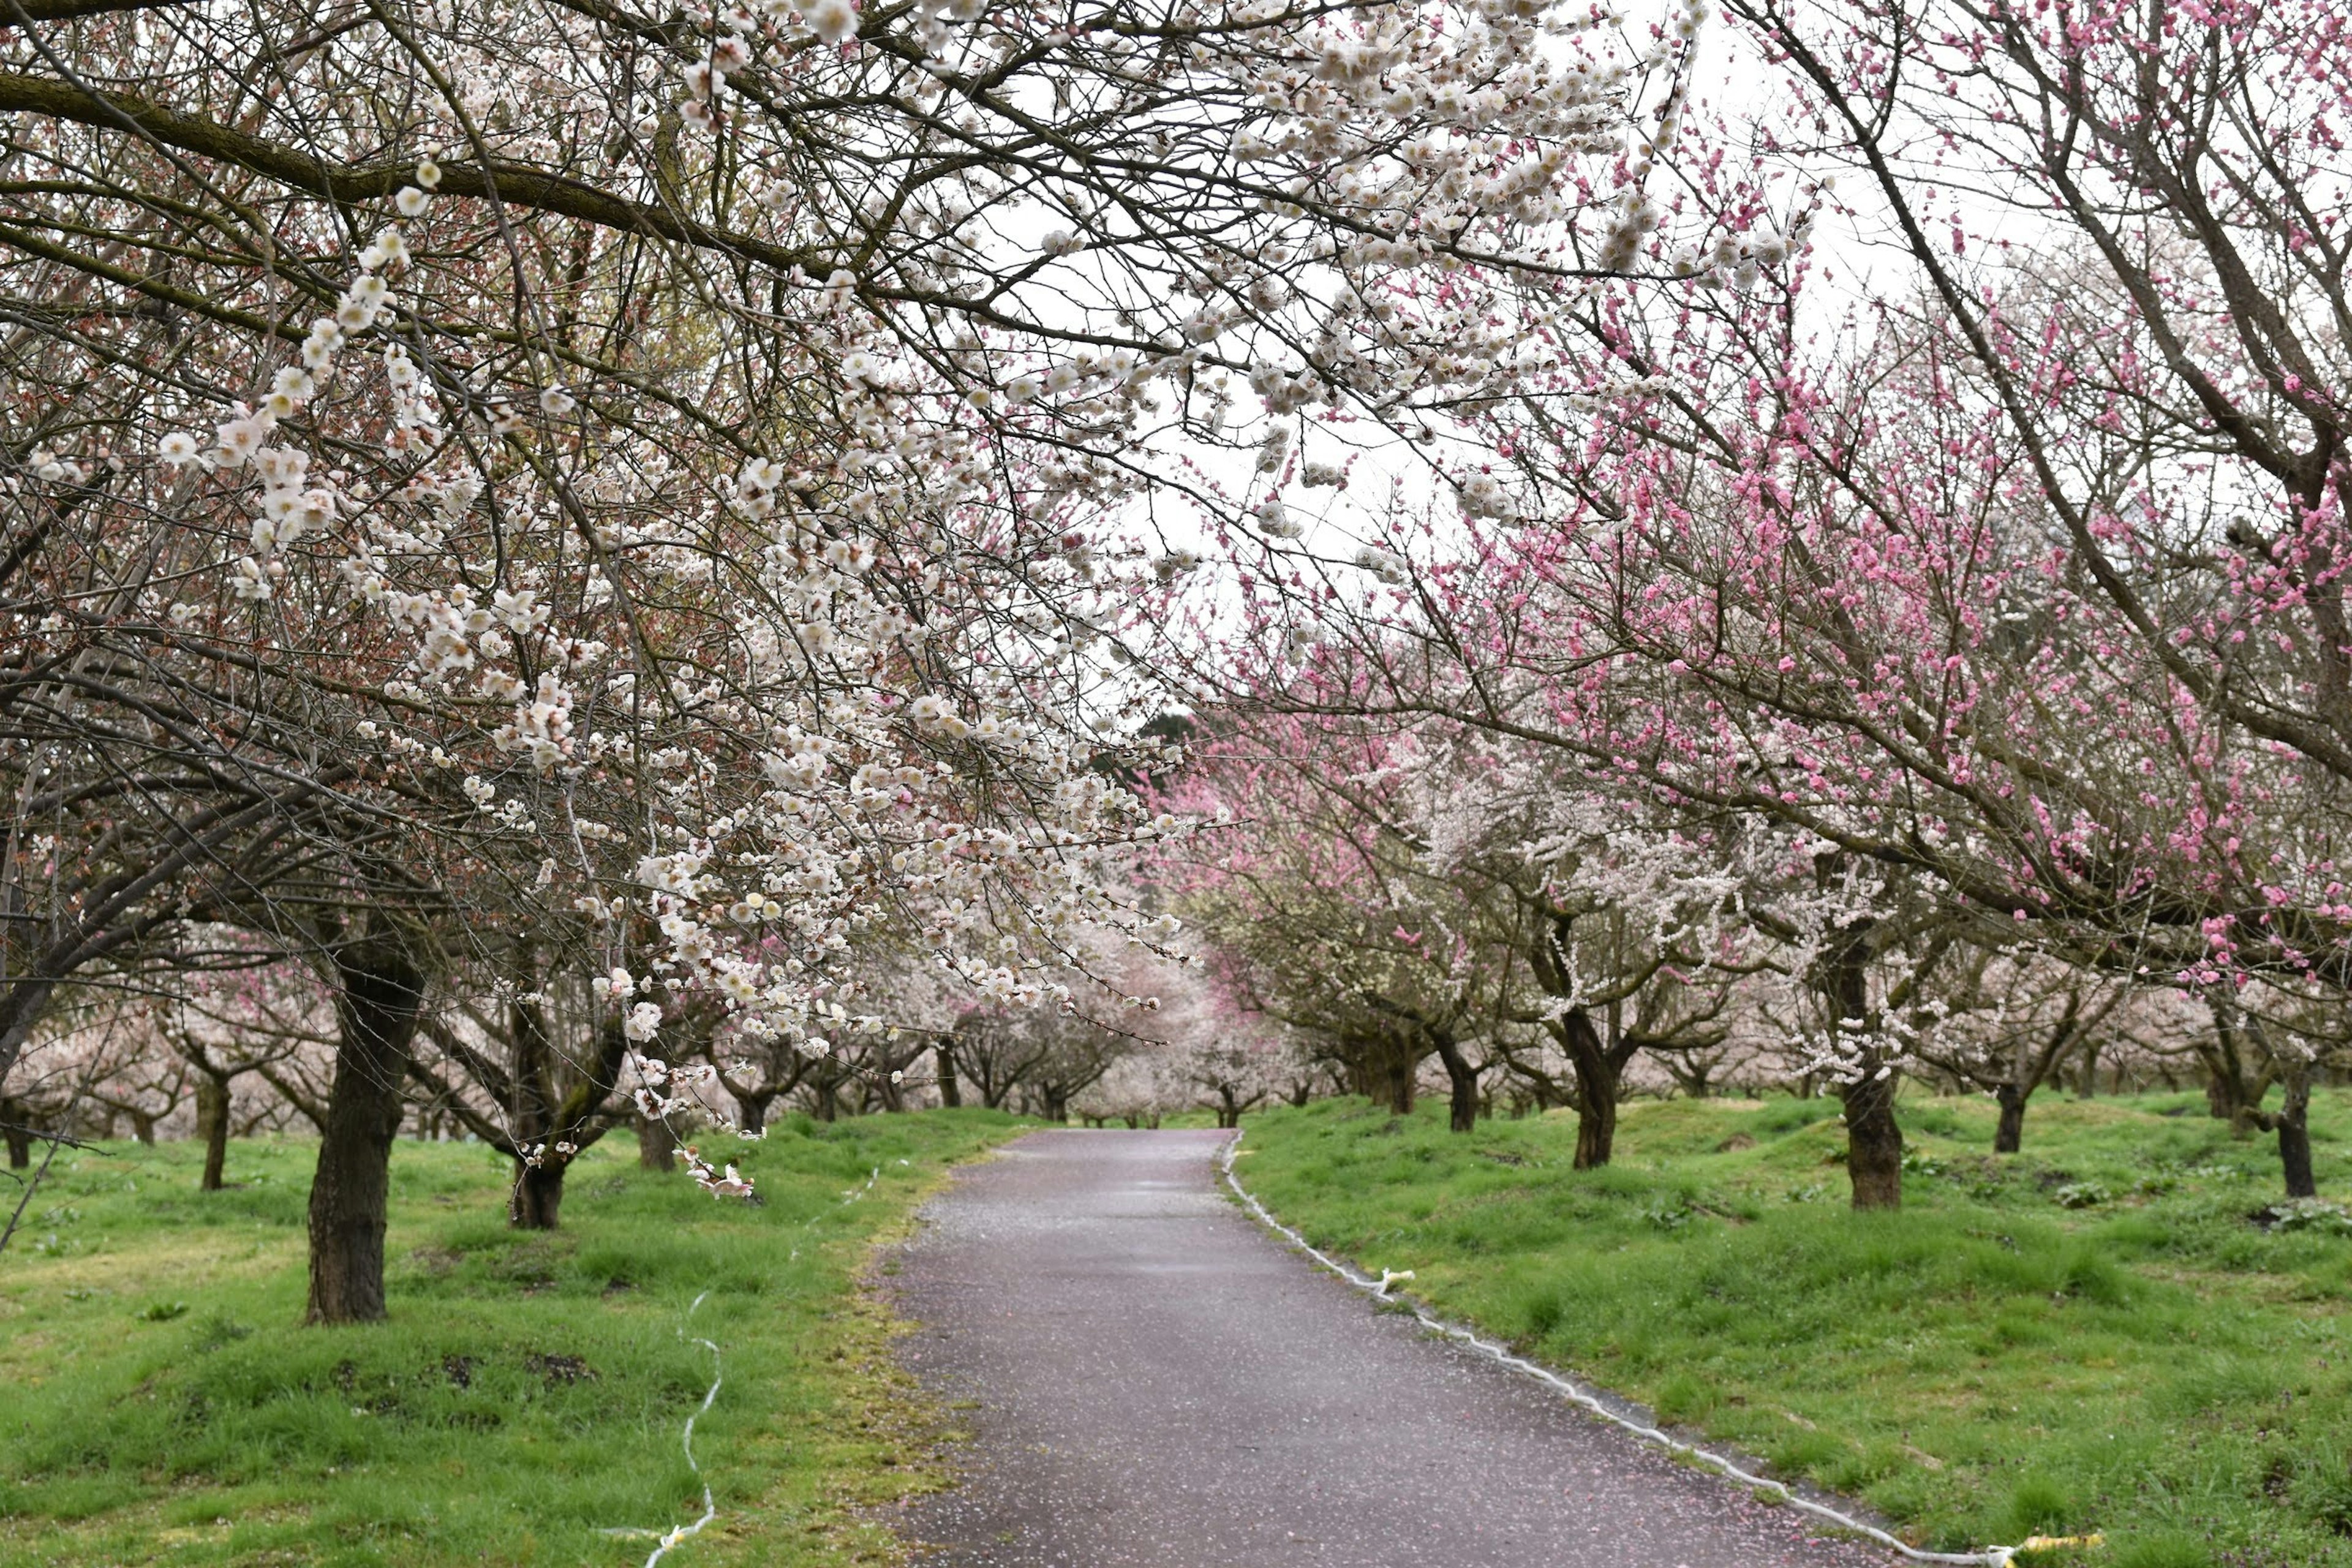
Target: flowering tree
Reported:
[(1326, 913), (1999, 580), (547, 457)]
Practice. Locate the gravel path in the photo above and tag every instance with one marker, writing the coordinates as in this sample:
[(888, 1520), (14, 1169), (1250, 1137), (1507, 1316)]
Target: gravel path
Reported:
[(1156, 1381)]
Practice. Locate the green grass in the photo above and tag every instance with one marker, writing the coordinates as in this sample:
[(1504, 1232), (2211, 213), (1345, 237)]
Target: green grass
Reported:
[(1984, 1365), (159, 1402)]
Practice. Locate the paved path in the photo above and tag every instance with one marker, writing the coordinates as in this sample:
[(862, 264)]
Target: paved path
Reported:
[(1161, 1384)]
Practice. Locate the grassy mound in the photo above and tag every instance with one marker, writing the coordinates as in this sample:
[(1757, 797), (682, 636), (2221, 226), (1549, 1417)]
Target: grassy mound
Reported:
[(2109, 1331), (158, 1402)]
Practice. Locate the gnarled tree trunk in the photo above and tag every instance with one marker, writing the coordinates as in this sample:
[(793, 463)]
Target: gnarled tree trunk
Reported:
[(1873, 1139), (381, 992), (1399, 1076), (1462, 1078), (557, 1129), (950, 1094), (535, 1199), (2294, 1135), (2292, 1122), (2230, 1092), (1599, 1075)]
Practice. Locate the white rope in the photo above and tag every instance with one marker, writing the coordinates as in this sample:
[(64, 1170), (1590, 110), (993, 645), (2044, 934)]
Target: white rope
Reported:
[(1576, 1392), (709, 1507)]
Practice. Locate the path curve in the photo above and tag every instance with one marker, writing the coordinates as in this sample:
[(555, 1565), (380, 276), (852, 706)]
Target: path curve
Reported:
[(1152, 1380)]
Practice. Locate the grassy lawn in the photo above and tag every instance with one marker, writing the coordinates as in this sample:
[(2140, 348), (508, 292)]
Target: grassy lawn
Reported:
[(1989, 1363), (160, 1404)]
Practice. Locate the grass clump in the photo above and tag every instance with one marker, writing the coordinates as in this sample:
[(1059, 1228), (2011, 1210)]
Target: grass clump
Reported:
[(524, 1403), (2167, 1365)]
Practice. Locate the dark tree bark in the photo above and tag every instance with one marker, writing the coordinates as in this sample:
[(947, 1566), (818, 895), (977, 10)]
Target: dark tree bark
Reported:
[(1600, 1079), (2009, 1136), (1462, 1080), (381, 992), (1596, 1132), (2086, 1085), (535, 1199), (2292, 1122), (950, 1094), (16, 1125), (559, 1129), (1596, 1065), (1873, 1139), (211, 1126), (1229, 1107), (656, 1144), (2231, 1092), (2294, 1137), (1399, 1080)]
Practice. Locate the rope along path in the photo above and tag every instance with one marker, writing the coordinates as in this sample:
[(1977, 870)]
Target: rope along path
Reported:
[(1577, 1393)]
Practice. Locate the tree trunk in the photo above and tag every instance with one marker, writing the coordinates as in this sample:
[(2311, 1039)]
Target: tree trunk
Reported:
[(2227, 1094), (1596, 1132), (211, 1126), (142, 1127), (2293, 1125), (1398, 1083), (2086, 1085), (656, 1144), (751, 1114), (18, 1118), (950, 1093), (1462, 1078), (1599, 1075), (2009, 1137), (535, 1199), (1057, 1103), (1873, 1141), (376, 1007)]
